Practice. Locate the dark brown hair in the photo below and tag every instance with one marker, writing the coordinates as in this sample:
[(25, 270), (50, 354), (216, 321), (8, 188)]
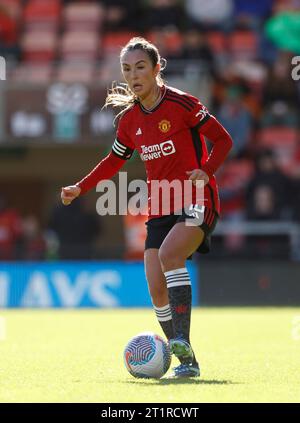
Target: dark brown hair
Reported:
[(120, 94)]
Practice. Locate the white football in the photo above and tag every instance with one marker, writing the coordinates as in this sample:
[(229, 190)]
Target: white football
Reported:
[(147, 355)]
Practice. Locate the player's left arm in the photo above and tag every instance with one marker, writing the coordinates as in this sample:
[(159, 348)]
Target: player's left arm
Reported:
[(211, 128), (222, 144)]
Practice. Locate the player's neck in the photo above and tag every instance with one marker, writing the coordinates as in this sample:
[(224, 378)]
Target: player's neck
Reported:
[(152, 99)]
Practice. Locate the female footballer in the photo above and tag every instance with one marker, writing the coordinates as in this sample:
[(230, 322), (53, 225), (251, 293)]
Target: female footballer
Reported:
[(173, 124)]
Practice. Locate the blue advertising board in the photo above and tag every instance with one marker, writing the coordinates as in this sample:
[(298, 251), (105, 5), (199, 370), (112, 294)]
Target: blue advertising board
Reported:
[(78, 284)]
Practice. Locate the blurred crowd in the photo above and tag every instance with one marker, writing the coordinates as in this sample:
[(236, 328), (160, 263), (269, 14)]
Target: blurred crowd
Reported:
[(245, 47), (69, 233)]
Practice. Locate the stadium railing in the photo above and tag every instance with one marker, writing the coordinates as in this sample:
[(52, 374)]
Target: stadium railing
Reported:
[(262, 229)]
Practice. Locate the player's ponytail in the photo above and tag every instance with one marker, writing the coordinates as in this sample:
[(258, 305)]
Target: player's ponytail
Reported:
[(120, 94)]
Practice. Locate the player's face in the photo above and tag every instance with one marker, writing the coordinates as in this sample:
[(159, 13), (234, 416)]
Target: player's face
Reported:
[(139, 73)]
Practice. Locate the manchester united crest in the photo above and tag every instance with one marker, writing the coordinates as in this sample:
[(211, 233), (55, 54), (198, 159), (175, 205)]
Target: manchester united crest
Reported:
[(164, 125)]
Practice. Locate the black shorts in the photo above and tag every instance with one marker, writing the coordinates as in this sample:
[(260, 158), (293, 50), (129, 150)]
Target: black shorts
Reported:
[(159, 227)]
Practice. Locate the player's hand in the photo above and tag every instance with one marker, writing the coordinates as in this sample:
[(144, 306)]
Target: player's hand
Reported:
[(196, 175), (68, 194)]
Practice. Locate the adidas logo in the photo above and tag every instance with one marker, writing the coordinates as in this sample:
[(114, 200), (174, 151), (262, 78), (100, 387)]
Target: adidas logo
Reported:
[(139, 132)]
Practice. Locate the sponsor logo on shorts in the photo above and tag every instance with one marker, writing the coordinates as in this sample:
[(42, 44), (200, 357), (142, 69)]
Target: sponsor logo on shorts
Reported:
[(196, 212)]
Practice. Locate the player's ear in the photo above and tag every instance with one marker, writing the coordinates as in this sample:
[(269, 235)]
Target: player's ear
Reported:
[(156, 69)]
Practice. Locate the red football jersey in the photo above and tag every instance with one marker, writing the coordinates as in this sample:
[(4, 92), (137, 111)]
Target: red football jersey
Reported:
[(168, 139)]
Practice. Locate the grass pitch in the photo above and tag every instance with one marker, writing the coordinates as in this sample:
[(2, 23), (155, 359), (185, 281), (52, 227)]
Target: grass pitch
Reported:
[(246, 355)]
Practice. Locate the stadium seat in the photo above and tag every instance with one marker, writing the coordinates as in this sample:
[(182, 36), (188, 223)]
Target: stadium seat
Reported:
[(13, 7), (109, 70), (278, 137), (33, 73), (167, 41), (233, 178), (243, 45), (112, 42), (42, 14), (71, 72), (236, 173), (216, 41), (283, 141), (83, 16), (9, 21), (80, 45), (39, 46)]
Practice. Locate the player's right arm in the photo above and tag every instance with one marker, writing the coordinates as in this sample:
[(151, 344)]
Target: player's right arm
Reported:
[(122, 150)]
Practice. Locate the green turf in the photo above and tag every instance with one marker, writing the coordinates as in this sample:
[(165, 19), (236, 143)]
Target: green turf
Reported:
[(246, 355)]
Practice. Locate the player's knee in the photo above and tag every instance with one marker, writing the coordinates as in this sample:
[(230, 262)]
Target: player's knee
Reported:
[(163, 255), (169, 259)]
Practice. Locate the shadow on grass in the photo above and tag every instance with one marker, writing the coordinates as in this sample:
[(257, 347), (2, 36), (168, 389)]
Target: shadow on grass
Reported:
[(170, 381)]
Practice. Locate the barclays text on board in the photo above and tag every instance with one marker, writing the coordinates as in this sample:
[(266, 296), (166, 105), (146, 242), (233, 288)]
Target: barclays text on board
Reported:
[(77, 284)]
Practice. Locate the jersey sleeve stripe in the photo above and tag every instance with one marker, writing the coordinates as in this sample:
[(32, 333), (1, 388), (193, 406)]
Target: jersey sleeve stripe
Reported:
[(199, 153), (189, 109), (211, 219), (183, 98)]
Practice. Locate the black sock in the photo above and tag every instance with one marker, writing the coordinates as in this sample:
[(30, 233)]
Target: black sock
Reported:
[(180, 298), (164, 317)]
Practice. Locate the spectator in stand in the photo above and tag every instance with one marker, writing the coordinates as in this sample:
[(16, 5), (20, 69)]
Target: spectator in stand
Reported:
[(10, 231), (232, 181), (252, 14), (280, 113), (295, 180), (196, 48), (164, 13), (122, 15), (236, 118), (280, 86), (168, 40), (76, 230), (33, 240), (9, 14), (212, 14), (268, 197), (263, 206), (268, 194)]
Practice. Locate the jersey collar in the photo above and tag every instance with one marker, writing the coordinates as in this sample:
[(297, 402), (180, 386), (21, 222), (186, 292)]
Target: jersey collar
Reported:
[(149, 111)]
